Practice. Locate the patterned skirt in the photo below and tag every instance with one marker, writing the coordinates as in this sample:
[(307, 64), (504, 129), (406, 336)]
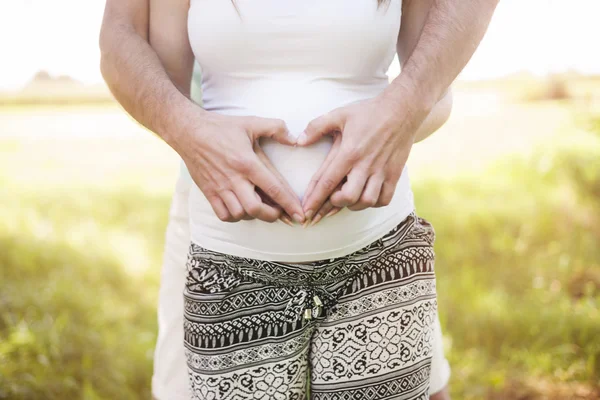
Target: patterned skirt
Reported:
[(353, 327)]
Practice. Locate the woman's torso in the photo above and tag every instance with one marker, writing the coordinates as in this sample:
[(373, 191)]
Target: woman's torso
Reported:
[(293, 60)]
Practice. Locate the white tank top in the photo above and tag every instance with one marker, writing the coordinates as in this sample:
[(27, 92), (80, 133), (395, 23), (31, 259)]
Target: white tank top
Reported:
[(294, 60)]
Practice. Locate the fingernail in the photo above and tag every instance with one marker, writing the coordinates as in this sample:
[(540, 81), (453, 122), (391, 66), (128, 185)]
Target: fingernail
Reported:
[(298, 218), (333, 212), (292, 138), (318, 217), (286, 220), (302, 139), (309, 214)]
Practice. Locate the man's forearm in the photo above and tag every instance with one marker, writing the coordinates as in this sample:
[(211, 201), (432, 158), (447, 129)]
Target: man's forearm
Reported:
[(452, 32), (140, 84)]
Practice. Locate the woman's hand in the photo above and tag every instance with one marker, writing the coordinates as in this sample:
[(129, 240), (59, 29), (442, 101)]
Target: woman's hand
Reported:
[(218, 151), (374, 140)]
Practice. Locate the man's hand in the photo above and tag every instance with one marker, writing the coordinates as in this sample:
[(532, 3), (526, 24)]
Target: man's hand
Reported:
[(220, 155), (435, 119), (370, 150)]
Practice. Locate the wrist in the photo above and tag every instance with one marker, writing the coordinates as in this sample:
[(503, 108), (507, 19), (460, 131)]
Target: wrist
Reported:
[(182, 120), (406, 107), (404, 93)]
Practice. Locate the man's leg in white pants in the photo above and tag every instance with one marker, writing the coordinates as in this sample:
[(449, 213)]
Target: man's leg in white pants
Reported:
[(170, 381), (440, 369)]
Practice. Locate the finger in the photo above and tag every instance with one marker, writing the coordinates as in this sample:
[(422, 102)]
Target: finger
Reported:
[(234, 206), (263, 198), (286, 219), (268, 182), (334, 211), (351, 190), (252, 204), (248, 217), (370, 196), (330, 156), (386, 195), (326, 208), (326, 124), (331, 178), (323, 211), (219, 208), (270, 127)]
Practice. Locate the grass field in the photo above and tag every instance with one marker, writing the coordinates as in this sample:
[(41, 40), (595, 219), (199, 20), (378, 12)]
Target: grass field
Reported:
[(512, 189)]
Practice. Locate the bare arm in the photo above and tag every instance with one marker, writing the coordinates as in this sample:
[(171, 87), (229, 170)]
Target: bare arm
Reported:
[(451, 32), (414, 16), (134, 72)]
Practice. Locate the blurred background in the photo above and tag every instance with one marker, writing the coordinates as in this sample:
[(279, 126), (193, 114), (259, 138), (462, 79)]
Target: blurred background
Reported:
[(511, 183)]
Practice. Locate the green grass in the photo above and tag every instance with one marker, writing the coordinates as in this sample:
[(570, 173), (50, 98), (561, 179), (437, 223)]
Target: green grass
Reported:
[(78, 290), (81, 235), (519, 270)]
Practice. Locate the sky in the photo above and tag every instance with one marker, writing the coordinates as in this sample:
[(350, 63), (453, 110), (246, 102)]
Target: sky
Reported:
[(540, 36)]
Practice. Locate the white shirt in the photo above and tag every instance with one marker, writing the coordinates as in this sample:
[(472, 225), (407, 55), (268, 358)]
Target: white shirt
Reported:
[(294, 60)]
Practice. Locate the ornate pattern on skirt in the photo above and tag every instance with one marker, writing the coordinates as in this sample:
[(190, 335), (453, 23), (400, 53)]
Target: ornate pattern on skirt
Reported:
[(363, 322)]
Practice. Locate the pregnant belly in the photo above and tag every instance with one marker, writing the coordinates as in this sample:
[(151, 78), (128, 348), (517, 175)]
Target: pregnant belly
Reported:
[(297, 164)]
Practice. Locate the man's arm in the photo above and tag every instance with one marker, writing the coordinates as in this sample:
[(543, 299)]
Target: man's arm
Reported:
[(451, 33), (414, 16), (134, 72)]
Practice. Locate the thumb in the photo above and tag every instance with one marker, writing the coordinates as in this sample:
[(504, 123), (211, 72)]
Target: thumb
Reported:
[(324, 125), (272, 128)]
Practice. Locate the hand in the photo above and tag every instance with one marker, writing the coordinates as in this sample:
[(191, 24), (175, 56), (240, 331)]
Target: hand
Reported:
[(375, 138), (219, 153)]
